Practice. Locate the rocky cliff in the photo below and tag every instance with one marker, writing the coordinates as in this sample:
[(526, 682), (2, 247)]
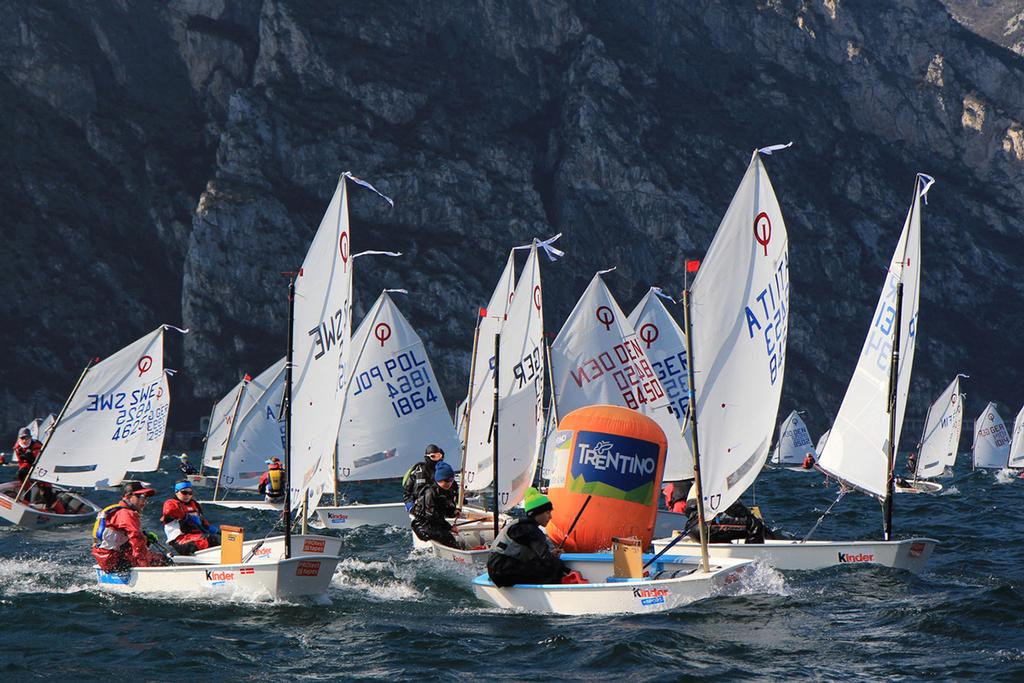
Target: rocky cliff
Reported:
[(165, 162)]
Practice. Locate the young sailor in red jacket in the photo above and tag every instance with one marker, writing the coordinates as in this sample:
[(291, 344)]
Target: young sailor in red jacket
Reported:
[(26, 453), (118, 540), (186, 528)]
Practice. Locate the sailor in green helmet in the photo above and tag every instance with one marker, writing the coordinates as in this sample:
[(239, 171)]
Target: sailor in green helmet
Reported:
[(523, 553)]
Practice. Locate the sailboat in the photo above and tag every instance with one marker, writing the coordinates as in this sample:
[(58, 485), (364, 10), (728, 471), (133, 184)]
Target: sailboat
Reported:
[(859, 449), (115, 416), (393, 408), (665, 345), (1016, 458), (510, 353), (991, 441), (794, 444), (315, 376), (250, 432), (936, 451)]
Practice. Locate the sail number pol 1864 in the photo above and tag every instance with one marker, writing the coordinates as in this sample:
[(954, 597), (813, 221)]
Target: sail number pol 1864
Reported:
[(406, 378)]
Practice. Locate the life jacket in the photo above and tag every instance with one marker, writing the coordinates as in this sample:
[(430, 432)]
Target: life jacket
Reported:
[(504, 545), (275, 483), (191, 520), (104, 537)]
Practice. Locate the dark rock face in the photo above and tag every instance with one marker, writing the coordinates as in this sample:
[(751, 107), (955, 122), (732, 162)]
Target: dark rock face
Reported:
[(166, 162)]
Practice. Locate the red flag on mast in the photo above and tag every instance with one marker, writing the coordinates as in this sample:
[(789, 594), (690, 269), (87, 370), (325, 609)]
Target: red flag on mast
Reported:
[(692, 266)]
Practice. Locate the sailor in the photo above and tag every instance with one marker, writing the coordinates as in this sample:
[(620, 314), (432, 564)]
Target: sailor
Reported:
[(118, 540), (522, 552), (736, 522), (185, 525), (675, 496), (421, 474), (912, 463), (272, 482), (26, 453), (185, 466), (436, 503), (808, 461)]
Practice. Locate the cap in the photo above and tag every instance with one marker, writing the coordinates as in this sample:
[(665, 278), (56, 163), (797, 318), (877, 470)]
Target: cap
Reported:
[(433, 448), (182, 485), (183, 456), (536, 502), (24, 431), (443, 472), (137, 488)]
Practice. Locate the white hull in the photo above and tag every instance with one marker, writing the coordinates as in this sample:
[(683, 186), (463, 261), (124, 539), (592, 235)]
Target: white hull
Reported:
[(244, 504), (801, 469), (909, 554), (277, 579), (674, 582), (31, 517), (201, 480), (919, 487), (117, 488), (351, 516), (272, 549), (476, 538)]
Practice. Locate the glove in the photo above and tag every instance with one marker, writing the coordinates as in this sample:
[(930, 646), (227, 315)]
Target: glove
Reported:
[(151, 537), (213, 529), (195, 520)]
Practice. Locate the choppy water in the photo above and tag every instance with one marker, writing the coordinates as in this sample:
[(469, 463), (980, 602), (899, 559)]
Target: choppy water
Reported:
[(395, 615)]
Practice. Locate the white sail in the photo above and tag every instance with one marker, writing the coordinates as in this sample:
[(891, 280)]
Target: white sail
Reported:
[(147, 457), (394, 406), (739, 315), (220, 425), (597, 358), (321, 330), (104, 425), (665, 344), (521, 387), (45, 426), (822, 440), (1016, 460), (857, 451), (259, 430), (794, 442), (941, 434), (478, 451), (991, 442)]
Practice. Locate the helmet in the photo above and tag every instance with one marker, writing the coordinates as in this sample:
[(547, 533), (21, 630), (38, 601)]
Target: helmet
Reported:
[(183, 456)]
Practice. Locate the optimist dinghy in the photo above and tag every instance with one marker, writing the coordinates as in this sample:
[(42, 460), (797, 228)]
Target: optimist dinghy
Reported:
[(35, 516), (276, 579), (673, 581)]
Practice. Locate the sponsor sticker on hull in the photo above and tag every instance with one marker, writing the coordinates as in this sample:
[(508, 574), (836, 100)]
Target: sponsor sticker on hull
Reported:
[(312, 545), (850, 558), (650, 596), (335, 518), (308, 568), (917, 549), (5, 503)]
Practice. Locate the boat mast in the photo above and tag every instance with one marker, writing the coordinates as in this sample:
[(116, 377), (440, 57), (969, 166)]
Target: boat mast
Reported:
[(202, 465), (494, 430), (693, 425), (468, 411), (286, 514), (894, 371), (231, 432), (53, 428)]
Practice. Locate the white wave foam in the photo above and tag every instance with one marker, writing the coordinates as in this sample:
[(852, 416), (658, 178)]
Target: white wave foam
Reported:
[(949, 491), (1006, 476), (377, 580), (26, 576), (759, 579)]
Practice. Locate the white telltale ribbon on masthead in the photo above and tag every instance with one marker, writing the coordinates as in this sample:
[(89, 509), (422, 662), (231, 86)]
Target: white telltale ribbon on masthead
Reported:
[(606, 270), (658, 291), (358, 181), (552, 252), (372, 252), (928, 181), (767, 151)]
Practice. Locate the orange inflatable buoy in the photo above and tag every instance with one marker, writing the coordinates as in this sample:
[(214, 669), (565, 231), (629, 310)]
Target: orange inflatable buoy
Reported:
[(617, 456)]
